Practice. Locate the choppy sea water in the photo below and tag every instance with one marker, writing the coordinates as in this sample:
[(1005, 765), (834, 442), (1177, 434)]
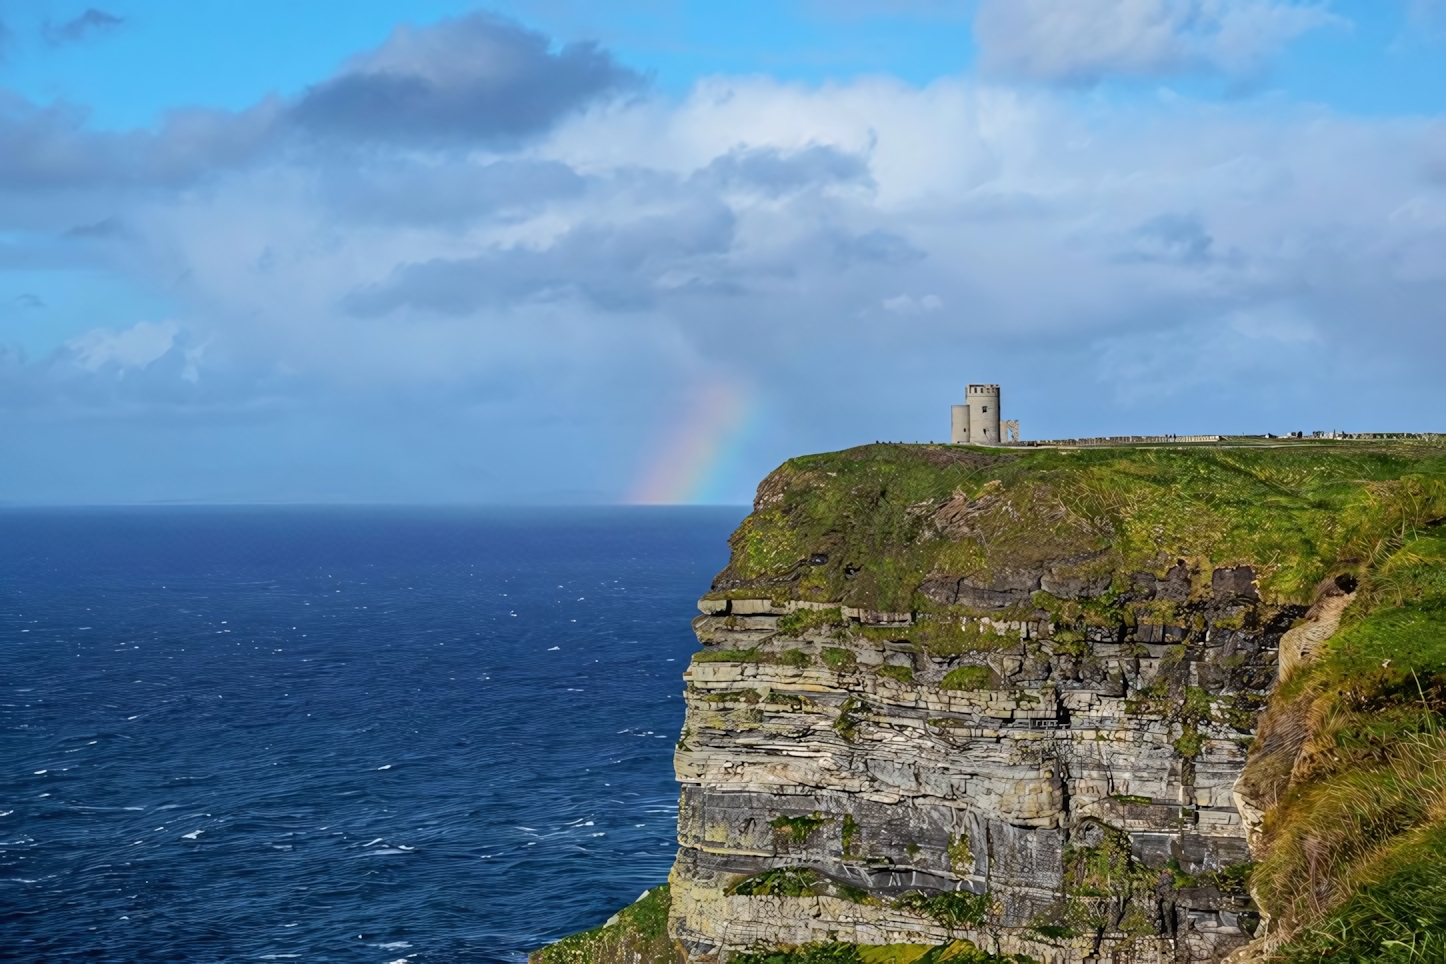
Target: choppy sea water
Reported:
[(369, 735)]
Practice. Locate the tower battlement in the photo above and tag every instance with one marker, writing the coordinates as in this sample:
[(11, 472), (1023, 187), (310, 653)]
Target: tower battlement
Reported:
[(977, 422)]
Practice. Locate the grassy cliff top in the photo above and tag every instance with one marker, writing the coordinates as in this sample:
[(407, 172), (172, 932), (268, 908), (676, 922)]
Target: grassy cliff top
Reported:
[(867, 526)]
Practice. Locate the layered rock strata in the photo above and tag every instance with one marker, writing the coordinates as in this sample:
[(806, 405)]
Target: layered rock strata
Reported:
[(836, 759)]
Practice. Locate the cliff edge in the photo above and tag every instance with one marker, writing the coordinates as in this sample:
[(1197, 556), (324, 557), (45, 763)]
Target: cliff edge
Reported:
[(1128, 704)]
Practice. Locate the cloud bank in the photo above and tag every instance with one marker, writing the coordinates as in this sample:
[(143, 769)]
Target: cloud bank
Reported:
[(477, 265), (1083, 41)]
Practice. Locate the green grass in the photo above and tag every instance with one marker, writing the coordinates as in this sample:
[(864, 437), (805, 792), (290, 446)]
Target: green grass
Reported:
[(733, 696), (729, 656), (846, 724), (875, 511), (902, 674), (1396, 915), (640, 936), (806, 620), (1358, 830), (798, 829), (953, 910), (961, 856), (799, 882), (957, 952), (831, 953), (837, 658), (945, 634), (781, 882), (968, 678)]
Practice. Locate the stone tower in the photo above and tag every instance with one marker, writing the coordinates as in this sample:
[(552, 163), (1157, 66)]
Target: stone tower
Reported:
[(976, 423)]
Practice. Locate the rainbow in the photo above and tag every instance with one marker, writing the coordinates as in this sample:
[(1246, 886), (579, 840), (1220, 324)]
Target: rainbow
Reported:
[(696, 449)]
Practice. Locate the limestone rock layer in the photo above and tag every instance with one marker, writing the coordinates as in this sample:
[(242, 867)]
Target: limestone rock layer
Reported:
[(1084, 785)]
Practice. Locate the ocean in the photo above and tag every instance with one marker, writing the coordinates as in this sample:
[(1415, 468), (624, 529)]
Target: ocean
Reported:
[(338, 734)]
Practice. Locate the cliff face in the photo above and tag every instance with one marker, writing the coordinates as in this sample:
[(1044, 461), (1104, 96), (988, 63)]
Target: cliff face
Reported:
[(1076, 775), (955, 695), (1139, 705)]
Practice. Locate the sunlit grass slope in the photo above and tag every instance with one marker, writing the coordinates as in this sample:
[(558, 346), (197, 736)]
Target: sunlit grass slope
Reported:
[(1293, 512)]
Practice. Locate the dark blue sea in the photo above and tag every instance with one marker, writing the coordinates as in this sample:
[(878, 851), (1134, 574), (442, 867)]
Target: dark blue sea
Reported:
[(352, 735)]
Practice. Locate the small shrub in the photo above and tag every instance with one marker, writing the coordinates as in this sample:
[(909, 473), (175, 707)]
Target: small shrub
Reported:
[(779, 882), (952, 910), (733, 696), (1190, 743), (830, 953), (1234, 879), (854, 895), (950, 636), (847, 724), (836, 657), (901, 673), (728, 656), (799, 622), (1053, 932), (961, 858), (968, 678), (1071, 642), (1197, 706), (850, 834), (798, 829)]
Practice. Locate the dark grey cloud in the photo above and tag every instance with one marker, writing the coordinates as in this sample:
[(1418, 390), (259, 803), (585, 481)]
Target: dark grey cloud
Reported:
[(105, 228), (51, 147), (612, 266), (772, 172), (474, 78), (89, 24)]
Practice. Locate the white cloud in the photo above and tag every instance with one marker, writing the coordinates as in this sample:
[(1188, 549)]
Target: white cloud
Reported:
[(1082, 41), (906, 305), (1038, 225), (134, 347)]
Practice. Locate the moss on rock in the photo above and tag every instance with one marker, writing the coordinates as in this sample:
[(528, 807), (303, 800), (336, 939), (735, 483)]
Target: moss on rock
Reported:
[(638, 934)]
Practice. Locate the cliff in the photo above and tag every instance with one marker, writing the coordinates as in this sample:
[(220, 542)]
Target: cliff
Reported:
[(1129, 704)]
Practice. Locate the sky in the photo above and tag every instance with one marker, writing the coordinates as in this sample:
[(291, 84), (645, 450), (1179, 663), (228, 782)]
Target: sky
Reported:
[(644, 251)]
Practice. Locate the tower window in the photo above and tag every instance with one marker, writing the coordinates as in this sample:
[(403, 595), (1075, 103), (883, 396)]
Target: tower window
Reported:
[(986, 408)]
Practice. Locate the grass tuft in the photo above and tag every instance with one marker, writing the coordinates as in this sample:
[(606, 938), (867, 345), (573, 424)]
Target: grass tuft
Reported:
[(798, 829), (902, 674), (968, 678)]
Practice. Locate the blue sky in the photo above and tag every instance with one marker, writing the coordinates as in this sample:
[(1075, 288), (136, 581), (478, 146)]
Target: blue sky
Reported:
[(554, 251)]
